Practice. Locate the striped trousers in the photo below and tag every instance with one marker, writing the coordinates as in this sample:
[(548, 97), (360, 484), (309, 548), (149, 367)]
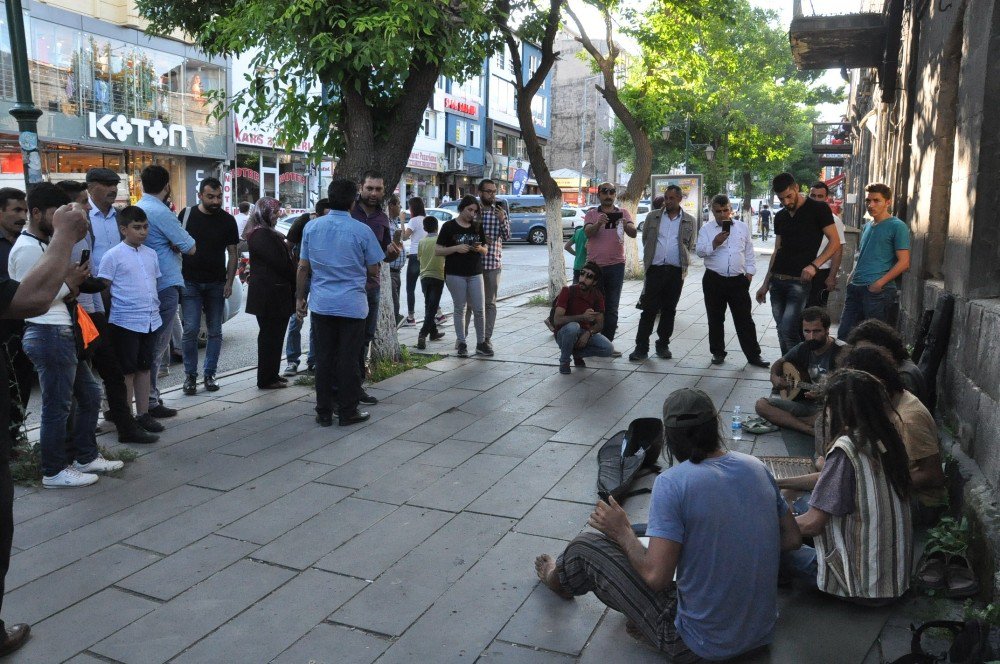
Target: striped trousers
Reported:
[(593, 563)]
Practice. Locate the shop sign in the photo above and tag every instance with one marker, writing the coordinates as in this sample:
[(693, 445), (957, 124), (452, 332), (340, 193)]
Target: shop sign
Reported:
[(291, 177), (428, 161), (261, 139), (246, 173), (462, 107), (120, 127)]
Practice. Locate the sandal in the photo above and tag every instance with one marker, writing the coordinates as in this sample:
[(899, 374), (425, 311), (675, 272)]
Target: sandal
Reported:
[(961, 580), (758, 426), (931, 573)]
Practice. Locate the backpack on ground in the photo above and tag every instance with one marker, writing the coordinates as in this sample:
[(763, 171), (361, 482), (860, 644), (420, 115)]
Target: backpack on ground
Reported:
[(970, 643), (627, 456), (550, 322)]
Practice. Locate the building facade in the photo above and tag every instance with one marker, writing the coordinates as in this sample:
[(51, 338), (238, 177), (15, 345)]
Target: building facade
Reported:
[(113, 97)]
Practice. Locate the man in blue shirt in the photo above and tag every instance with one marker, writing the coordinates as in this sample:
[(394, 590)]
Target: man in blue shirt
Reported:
[(169, 240), (706, 586), (336, 259), (883, 257)]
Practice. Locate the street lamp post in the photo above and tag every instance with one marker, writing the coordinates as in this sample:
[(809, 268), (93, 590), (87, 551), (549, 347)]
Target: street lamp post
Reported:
[(709, 150), (24, 111)]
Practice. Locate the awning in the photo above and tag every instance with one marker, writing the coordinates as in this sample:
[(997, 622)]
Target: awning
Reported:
[(833, 182)]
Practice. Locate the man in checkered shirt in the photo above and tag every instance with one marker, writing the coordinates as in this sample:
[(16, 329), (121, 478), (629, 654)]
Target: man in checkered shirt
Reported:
[(496, 227)]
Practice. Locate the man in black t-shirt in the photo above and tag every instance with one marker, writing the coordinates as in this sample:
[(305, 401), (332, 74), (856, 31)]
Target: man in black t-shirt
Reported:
[(765, 221), (798, 229), (208, 279), (815, 358)]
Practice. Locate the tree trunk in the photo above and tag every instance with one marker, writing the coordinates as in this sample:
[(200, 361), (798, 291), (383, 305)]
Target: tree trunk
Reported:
[(385, 346), (747, 194), (633, 253), (557, 256)]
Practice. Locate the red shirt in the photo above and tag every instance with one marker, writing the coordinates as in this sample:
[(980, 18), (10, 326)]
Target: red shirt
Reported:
[(579, 302)]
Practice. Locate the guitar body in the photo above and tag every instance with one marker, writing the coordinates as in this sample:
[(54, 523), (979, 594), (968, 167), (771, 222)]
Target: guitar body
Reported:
[(796, 385)]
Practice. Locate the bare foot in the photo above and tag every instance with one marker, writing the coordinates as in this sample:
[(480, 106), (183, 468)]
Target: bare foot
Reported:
[(545, 568)]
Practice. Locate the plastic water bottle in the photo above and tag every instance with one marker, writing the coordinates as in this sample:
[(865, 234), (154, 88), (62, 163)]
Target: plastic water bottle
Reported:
[(737, 433)]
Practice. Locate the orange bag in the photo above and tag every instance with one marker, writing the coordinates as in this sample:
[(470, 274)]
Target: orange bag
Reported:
[(87, 328)]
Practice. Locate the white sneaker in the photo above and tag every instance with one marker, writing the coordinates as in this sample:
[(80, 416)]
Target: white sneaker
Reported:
[(99, 465), (291, 369), (68, 478)]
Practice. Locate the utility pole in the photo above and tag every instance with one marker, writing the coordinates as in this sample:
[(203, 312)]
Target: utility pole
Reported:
[(24, 111)]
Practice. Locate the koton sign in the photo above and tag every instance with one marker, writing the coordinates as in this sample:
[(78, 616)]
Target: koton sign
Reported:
[(120, 127), (462, 107)]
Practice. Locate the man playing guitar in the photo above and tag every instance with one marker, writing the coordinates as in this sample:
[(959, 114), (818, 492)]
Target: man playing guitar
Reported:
[(798, 376)]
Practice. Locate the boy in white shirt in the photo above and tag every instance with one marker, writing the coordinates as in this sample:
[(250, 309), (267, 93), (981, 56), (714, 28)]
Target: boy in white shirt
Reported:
[(131, 269), (50, 342)]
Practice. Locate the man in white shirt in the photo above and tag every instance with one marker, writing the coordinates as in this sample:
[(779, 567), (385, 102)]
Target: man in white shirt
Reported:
[(825, 280), (730, 264), (241, 218)]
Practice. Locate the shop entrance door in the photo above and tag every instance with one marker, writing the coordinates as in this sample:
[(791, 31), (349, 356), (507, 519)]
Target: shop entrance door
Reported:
[(269, 175)]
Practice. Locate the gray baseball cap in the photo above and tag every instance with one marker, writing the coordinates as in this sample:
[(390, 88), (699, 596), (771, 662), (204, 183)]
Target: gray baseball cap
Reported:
[(687, 407)]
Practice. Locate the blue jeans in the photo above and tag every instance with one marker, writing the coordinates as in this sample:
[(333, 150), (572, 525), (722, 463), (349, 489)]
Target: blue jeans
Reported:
[(799, 564), (412, 277), (52, 349), (372, 320), (861, 304), (293, 342), (788, 299), (169, 299), (614, 278), (598, 346), (210, 297)]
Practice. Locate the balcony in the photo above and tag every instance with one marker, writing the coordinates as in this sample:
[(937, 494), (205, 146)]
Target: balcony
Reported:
[(832, 42), (831, 138), (835, 160)]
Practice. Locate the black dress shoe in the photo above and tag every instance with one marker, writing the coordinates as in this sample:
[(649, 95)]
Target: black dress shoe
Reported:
[(14, 638), (356, 417), (161, 411), (368, 399), (210, 383), (663, 352), (578, 361), (139, 436), (191, 384), (759, 362), (718, 359), (324, 420), (149, 423)]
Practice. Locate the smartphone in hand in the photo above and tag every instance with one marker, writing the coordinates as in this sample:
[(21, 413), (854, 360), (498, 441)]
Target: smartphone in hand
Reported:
[(84, 256), (727, 225), (613, 219)]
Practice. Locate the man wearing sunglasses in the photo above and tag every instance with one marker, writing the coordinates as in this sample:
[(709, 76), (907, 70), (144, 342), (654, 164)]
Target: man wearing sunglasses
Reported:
[(579, 319), (667, 236), (606, 227)]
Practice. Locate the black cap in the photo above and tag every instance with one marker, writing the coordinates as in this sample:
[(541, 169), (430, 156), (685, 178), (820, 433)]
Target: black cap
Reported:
[(687, 407), (103, 176)]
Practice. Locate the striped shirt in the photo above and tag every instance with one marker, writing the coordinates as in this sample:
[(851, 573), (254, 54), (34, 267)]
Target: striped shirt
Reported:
[(132, 272), (497, 232), (867, 553)]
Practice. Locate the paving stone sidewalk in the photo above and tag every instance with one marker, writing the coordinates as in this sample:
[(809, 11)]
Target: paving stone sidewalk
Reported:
[(249, 534)]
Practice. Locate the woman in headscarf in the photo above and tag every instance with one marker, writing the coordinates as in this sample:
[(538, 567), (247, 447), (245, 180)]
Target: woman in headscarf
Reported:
[(271, 297)]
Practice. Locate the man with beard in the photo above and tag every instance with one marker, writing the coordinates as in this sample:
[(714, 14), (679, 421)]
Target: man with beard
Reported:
[(208, 279), (579, 318), (814, 358), (368, 210), (13, 217), (496, 226)]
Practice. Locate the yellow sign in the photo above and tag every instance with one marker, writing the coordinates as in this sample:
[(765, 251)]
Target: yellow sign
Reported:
[(572, 183)]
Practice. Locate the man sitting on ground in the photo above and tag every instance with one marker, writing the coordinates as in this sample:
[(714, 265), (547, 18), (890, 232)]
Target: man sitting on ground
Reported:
[(814, 358), (716, 519), (876, 333), (579, 319)]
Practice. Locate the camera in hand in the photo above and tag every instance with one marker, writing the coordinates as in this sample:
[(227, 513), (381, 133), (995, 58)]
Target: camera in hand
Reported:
[(613, 219)]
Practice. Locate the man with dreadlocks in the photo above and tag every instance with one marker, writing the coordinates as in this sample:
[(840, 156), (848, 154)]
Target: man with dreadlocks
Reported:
[(859, 512)]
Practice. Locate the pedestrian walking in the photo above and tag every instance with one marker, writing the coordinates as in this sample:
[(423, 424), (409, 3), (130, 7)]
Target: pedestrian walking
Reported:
[(208, 280), (668, 234), (293, 337), (606, 227), (765, 222), (431, 281), (395, 213), (413, 233), (463, 244), (271, 297), (337, 257), (730, 263)]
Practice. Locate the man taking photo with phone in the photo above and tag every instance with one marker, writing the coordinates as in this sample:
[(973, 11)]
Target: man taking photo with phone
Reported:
[(606, 227)]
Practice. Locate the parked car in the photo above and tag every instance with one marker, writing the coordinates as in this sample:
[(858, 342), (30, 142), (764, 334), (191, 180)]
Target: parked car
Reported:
[(575, 217), (440, 214), (526, 214)]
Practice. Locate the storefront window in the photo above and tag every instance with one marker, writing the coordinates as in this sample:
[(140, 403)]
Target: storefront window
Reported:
[(199, 79), (292, 181), (247, 178), (53, 48)]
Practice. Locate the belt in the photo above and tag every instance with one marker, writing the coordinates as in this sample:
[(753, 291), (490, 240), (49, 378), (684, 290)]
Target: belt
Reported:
[(784, 277), (742, 275)]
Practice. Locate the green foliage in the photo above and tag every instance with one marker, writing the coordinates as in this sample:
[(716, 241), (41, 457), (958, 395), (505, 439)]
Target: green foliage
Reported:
[(950, 535), (989, 614), (724, 67), (383, 369), (539, 300), (312, 55)]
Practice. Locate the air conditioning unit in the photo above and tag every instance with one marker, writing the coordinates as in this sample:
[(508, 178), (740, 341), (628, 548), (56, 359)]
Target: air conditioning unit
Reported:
[(456, 160)]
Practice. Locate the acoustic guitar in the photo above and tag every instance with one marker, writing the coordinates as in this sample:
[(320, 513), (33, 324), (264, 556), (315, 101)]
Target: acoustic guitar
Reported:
[(796, 385)]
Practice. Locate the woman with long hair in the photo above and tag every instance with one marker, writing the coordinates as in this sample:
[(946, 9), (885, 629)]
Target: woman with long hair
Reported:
[(414, 232), (271, 296), (859, 513), (462, 242)]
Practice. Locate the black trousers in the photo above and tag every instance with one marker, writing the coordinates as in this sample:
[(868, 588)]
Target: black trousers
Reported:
[(6, 522), (270, 338), (105, 362), (816, 289), (339, 341), (660, 293), (432, 288), (21, 373), (733, 292)]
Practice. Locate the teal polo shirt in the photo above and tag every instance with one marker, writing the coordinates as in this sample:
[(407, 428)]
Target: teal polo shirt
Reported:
[(877, 252)]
